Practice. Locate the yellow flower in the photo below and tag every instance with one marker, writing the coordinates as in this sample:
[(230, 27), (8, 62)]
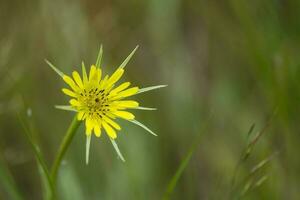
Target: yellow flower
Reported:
[(98, 101)]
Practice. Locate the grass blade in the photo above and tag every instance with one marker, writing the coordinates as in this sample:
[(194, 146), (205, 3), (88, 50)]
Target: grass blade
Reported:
[(172, 184), (8, 183), (262, 163), (47, 183), (183, 164)]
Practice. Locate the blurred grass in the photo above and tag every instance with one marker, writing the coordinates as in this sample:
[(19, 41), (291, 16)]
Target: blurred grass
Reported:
[(184, 162), (41, 164), (8, 184), (239, 57)]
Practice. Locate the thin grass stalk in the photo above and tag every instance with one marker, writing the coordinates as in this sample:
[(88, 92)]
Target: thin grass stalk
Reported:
[(39, 158), (7, 181), (183, 164)]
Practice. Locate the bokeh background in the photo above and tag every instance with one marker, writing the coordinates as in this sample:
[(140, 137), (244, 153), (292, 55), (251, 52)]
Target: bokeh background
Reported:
[(228, 65)]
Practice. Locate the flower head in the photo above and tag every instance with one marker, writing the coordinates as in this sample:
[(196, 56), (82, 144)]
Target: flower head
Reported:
[(99, 101)]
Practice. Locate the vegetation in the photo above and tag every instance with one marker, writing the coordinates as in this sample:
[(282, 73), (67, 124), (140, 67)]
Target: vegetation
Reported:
[(227, 124)]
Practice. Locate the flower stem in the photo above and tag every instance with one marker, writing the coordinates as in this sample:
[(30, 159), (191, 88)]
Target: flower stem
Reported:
[(63, 148)]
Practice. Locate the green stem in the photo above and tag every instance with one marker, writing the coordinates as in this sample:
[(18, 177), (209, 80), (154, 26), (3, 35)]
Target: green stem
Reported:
[(63, 148)]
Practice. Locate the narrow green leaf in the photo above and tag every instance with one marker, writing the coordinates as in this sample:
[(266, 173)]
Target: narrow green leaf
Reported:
[(150, 88), (60, 73), (143, 126), (262, 163), (178, 174), (183, 164), (47, 194), (99, 57), (251, 185), (124, 63), (65, 107), (247, 187), (39, 158), (260, 181), (250, 130), (8, 183), (117, 149)]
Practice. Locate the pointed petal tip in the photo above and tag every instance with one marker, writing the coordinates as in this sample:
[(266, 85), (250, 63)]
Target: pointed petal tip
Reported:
[(65, 107), (161, 86), (60, 73), (128, 57), (145, 108), (143, 126), (115, 145), (99, 56), (146, 89)]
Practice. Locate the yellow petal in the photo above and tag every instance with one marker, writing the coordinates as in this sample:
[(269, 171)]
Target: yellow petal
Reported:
[(77, 79), (88, 126), (70, 82), (124, 115), (121, 87), (80, 115), (126, 104), (93, 73), (115, 76), (103, 82), (97, 130), (126, 93), (99, 73), (109, 130), (69, 92), (111, 115), (75, 103), (112, 123)]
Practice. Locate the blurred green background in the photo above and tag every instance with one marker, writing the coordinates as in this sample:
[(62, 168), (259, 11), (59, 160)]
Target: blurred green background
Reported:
[(227, 64)]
